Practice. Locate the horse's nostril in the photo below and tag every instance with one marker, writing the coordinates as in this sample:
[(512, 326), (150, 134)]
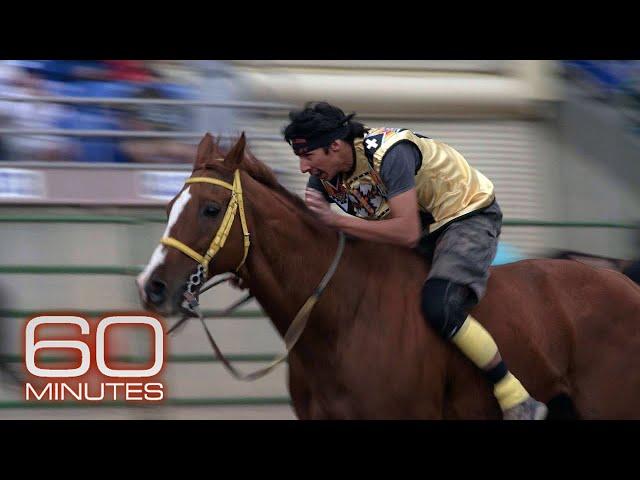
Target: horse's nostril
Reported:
[(156, 291), (157, 286)]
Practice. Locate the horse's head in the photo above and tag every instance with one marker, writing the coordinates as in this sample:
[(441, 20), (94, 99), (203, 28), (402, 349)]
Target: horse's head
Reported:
[(202, 238)]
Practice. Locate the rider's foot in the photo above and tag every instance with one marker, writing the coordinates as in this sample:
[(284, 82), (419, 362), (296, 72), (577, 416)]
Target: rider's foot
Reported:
[(530, 409)]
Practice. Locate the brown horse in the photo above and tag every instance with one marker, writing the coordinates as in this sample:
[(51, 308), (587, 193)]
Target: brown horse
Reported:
[(569, 332)]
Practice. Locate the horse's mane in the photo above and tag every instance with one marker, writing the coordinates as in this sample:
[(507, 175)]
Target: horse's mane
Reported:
[(263, 174)]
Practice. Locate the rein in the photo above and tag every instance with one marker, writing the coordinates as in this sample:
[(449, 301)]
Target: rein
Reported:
[(293, 332)]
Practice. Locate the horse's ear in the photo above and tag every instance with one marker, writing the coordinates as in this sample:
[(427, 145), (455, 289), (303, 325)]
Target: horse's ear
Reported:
[(236, 154), (205, 151)]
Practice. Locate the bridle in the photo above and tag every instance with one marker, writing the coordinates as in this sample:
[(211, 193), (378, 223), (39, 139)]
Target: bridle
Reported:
[(196, 284), (235, 204)]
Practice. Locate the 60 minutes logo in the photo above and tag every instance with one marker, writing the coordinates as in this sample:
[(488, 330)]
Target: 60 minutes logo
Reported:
[(86, 376)]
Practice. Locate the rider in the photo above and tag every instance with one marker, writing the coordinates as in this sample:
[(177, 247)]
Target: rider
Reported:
[(383, 174)]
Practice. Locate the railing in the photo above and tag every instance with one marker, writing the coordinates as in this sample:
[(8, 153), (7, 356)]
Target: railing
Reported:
[(18, 218), (239, 104), (121, 134)]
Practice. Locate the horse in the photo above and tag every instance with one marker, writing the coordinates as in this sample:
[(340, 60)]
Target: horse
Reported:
[(568, 331)]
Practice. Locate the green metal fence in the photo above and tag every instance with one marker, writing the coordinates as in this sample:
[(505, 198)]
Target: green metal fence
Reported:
[(140, 219)]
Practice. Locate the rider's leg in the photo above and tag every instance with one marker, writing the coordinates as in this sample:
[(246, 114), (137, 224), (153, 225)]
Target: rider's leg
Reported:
[(445, 305), (460, 257)]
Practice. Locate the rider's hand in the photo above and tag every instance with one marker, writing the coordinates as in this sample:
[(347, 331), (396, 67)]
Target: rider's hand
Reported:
[(319, 205)]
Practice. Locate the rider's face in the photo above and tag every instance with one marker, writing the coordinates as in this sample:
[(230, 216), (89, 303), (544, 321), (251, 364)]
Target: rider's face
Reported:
[(322, 164)]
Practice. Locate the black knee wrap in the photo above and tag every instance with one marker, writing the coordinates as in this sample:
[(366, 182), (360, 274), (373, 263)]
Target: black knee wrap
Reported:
[(445, 305)]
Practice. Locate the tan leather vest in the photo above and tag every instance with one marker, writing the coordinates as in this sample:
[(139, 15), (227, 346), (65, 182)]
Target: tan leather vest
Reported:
[(447, 186)]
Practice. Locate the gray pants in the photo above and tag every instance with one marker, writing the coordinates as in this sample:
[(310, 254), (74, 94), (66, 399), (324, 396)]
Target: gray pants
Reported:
[(463, 250)]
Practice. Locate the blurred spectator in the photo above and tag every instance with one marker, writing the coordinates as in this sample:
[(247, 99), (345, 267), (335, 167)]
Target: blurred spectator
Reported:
[(173, 72), (134, 71), (5, 117), (67, 71), (121, 79), (162, 118), (166, 79), (19, 82)]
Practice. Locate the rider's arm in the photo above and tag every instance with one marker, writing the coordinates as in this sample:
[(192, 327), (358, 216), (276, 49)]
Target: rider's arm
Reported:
[(403, 226)]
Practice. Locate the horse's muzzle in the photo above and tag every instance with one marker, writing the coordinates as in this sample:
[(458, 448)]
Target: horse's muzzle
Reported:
[(156, 296), (156, 291)]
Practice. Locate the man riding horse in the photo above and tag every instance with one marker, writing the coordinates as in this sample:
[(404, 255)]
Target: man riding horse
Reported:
[(403, 188)]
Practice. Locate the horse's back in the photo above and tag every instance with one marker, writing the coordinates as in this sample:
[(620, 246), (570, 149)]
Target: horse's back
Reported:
[(569, 328)]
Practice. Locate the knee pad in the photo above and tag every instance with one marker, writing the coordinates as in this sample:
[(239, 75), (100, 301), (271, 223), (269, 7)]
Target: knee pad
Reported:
[(445, 305)]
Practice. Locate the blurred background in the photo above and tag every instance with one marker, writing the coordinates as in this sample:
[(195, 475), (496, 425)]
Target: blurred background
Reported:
[(91, 152)]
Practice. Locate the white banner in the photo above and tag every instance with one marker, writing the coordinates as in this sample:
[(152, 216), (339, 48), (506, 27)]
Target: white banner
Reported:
[(19, 183), (161, 185)]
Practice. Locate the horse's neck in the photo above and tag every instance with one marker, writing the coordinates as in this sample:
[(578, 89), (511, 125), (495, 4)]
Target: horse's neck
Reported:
[(288, 257)]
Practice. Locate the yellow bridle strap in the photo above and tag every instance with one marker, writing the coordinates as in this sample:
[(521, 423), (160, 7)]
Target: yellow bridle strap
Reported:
[(223, 232), (225, 227), (213, 181), (243, 220), (172, 242)]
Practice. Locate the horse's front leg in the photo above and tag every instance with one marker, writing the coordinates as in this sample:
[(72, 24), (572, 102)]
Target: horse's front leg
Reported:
[(299, 390)]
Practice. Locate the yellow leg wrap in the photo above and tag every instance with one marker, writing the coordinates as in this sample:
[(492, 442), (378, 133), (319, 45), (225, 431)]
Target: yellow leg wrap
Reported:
[(509, 392), (478, 345), (475, 342)]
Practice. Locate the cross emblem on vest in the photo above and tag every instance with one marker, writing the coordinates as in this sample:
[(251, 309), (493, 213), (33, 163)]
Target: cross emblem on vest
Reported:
[(372, 143)]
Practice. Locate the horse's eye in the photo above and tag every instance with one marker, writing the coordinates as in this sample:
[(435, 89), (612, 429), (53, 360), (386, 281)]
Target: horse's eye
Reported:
[(211, 210)]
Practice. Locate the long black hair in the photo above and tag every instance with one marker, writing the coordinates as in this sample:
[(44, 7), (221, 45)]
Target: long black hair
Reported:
[(317, 118)]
